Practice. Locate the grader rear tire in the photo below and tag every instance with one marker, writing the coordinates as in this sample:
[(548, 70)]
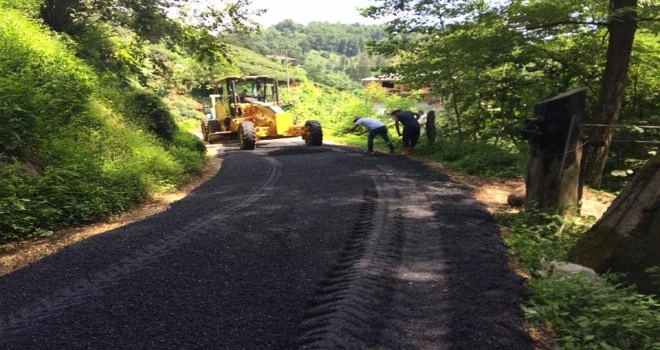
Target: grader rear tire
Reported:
[(205, 133), (246, 135), (313, 133), (212, 126)]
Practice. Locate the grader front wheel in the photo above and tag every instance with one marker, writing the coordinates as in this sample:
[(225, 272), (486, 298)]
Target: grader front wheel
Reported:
[(246, 135), (313, 133)]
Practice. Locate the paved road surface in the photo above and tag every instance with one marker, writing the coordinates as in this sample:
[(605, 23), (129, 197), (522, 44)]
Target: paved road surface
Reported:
[(287, 247)]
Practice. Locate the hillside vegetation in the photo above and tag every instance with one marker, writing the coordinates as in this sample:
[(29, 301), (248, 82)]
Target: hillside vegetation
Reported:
[(77, 142), (252, 63), (74, 148), (333, 54)]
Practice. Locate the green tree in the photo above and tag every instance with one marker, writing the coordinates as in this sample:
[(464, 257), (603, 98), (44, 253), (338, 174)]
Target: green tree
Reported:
[(621, 22), (334, 53), (467, 54), (626, 239), (493, 62), (188, 24)]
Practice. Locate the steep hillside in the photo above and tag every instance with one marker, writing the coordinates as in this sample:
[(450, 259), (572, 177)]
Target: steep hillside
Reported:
[(77, 143), (333, 54), (252, 63)]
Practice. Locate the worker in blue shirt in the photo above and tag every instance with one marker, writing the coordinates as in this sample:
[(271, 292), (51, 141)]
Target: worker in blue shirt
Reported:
[(374, 127), (411, 129)]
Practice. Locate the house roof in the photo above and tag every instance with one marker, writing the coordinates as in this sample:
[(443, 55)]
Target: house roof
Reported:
[(382, 78), (277, 57)]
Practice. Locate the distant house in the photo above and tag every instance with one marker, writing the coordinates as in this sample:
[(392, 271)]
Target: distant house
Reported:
[(392, 85), (284, 59)]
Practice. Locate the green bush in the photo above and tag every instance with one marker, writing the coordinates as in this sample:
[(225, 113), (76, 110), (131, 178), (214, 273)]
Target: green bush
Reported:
[(43, 85), (91, 170), (37, 203), (141, 154), (77, 144), (540, 237), (22, 207), (585, 313), (595, 313), (184, 109), (27, 7), (189, 151), (184, 139), (475, 159), (148, 111), (190, 126), (191, 161)]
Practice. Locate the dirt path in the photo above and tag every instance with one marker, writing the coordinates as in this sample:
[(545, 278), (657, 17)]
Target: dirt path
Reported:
[(493, 192)]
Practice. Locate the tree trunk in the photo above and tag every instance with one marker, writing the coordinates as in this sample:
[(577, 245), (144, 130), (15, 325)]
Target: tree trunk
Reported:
[(622, 29), (627, 238), (458, 117), (57, 14), (430, 127)]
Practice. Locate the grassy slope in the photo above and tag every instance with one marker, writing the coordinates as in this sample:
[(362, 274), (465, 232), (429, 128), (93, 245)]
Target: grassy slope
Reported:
[(63, 124), (252, 63)]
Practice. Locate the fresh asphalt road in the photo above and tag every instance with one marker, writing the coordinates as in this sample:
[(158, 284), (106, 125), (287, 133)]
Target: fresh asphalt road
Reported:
[(287, 247)]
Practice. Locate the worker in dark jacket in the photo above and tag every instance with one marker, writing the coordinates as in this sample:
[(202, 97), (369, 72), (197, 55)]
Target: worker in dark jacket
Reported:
[(411, 129)]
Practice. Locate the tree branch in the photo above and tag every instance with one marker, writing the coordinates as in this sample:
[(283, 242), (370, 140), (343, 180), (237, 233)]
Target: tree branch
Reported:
[(559, 23)]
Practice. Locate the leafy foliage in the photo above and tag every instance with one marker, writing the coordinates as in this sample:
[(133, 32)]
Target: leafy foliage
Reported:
[(67, 155), (481, 159), (640, 108), (148, 111), (332, 54), (586, 313), (493, 61), (44, 87), (540, 238), (342, 39), (595, 314), (186, 24), (251, 63)]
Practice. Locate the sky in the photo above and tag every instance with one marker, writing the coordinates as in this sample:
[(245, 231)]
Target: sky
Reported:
[(305, 11)]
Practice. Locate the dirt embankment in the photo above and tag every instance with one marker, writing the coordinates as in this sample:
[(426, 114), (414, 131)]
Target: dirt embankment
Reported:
[(494, 192)]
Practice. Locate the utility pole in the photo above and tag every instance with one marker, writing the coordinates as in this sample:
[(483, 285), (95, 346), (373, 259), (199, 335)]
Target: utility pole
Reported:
[(286, 58)]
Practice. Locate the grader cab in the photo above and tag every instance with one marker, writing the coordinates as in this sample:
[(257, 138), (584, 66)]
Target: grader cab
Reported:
[(249, 109)]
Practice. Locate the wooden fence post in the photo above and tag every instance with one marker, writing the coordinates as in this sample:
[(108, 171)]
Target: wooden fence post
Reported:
[(554, 157)]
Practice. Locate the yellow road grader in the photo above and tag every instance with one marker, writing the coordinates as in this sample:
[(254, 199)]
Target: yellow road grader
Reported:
[(249, 108)]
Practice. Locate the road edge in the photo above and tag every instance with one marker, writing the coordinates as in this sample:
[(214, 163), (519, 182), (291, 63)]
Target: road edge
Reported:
[(16, 255)]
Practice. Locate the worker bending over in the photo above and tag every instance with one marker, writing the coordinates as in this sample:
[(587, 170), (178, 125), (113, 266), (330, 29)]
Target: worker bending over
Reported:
[(374, 127)]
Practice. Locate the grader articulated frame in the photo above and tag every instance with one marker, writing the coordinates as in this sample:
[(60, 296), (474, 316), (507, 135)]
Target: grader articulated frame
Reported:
[(249, 108)]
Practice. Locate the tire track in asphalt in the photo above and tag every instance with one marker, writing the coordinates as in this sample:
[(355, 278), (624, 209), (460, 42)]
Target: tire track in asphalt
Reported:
[(424, 269), (453, 289), (82, 289), (418, 317), (346, 311)]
